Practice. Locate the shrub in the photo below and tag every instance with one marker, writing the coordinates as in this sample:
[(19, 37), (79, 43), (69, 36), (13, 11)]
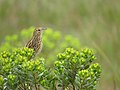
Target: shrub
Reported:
[(71, 69), (53, 42), (74, 68), (18, 71)]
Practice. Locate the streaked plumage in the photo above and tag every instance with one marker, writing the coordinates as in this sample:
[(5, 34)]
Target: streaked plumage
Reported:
[(36, 41)]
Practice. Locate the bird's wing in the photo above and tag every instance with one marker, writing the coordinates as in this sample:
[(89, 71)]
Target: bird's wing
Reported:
[(29, 44)]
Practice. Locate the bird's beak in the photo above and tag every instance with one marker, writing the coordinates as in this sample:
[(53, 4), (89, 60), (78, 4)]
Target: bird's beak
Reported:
[(43, 28)]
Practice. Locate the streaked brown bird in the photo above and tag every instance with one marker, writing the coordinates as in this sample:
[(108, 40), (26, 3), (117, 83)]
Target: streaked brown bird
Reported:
[(35, 42)]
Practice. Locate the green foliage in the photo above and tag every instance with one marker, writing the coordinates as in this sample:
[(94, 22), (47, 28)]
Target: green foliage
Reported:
[(53, 42), (72, 68), (75, 68), (93, 21), (19, 70)]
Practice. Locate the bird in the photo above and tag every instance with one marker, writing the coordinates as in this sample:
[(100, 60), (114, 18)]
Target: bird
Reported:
[(35, 42)]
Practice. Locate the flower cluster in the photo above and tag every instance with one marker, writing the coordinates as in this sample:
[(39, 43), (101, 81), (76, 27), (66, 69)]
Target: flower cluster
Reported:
[(72, 69), (88, 78), (17, 68), (53, 42), (75, 68)]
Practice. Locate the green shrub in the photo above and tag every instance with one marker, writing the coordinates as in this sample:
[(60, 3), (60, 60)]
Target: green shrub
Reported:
[(74, 68), (71, 69), (53, 42), (18, 71)]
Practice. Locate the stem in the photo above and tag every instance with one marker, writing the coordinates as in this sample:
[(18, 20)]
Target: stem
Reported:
[(20, 86), (63, 85), (73, 78), (35, 86), (73, 86), (30, 87), (35, 81), (24, 86)]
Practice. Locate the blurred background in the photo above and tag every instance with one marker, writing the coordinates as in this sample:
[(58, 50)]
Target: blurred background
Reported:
[(94, 22)]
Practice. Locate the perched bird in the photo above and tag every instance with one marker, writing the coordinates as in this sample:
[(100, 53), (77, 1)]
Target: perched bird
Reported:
[(35, 42)]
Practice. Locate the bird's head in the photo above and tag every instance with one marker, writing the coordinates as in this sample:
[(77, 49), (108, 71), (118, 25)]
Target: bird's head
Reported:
[(39, 30)]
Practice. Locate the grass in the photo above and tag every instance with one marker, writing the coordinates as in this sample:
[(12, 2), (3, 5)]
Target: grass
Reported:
[(94, 22)]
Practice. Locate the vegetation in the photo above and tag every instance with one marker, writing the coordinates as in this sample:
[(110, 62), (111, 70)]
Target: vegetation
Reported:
[(96, 23), (53, 42), (70, 69), (74, 68)]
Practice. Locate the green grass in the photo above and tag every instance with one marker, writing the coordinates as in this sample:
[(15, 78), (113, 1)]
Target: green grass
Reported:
[(94, 22)]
